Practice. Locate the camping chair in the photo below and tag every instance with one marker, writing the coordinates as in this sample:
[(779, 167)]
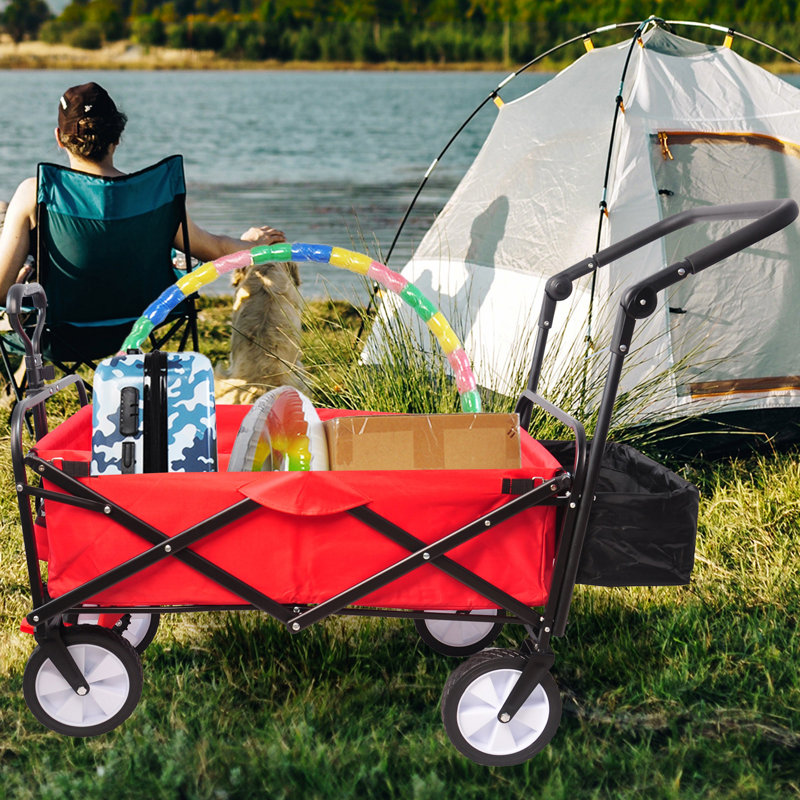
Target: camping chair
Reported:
[(104, 250)]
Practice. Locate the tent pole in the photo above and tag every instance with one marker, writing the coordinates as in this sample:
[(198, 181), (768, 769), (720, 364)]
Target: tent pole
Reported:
[(493, 95), (604, 207)]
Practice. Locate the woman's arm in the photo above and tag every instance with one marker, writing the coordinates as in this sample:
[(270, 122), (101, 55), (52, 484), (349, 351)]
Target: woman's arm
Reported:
[(208, 246), (16, 233)]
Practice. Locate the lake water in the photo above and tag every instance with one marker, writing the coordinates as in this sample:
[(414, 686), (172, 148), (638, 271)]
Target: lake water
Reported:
[(331, 157)]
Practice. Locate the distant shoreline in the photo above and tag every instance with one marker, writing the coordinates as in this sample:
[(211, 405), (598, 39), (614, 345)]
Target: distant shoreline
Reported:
[(127, 55)]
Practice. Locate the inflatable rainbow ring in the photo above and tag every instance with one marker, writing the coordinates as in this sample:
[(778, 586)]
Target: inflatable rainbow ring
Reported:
[(207, 273), (282, 431)]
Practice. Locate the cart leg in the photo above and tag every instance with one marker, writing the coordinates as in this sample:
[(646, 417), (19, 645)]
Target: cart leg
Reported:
[(535, 668), (52, 646)]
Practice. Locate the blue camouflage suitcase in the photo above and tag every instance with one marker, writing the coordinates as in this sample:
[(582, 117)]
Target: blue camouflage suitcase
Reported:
[(154, 412)]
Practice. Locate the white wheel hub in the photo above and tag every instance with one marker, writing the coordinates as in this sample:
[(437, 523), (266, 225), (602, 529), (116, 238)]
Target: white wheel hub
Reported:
[(460, 632), (480, 704), (108, 682)]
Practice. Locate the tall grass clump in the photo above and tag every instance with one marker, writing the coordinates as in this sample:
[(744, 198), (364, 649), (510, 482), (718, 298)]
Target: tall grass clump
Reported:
[(406, 378), (408, 372)]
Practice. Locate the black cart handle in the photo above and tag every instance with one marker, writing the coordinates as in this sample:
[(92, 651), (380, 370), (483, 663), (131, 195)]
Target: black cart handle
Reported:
[(772, 215), (19, 291), (14, 308), (639, 300)]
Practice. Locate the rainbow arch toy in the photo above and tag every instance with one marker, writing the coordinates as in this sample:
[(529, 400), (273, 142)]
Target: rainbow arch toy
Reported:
[(359, 263)]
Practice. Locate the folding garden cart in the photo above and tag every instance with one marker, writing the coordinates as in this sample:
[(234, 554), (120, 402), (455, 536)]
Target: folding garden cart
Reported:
[(301, 546)]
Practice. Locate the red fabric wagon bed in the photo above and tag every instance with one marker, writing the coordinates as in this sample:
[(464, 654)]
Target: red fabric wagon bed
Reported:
[(300, 546)]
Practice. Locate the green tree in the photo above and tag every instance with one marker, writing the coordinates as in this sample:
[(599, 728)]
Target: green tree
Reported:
[(140, 8), (87, 37), (148, 30), (23, 18), (306, 45), (74, 14), (106, 16)]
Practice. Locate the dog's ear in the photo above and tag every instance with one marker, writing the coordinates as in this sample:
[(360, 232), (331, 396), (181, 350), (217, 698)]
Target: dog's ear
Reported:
[(238, 276)]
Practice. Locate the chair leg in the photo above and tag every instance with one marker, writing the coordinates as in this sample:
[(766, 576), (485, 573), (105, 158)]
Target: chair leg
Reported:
[(156, 342), (185, 336), (187, 326)]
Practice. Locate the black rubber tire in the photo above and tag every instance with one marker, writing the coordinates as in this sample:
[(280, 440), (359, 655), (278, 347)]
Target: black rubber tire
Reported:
[(140, 642), (479, 671), (122, 679)]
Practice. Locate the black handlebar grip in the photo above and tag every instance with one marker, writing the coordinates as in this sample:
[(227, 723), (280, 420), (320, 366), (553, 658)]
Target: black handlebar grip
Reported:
[(20, 291), (773, 215)]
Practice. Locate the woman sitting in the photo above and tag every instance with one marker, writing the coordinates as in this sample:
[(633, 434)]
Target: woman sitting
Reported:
[(89, 129)]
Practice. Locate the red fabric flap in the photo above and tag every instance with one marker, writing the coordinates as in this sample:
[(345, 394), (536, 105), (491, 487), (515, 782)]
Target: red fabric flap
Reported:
[(308, 494)]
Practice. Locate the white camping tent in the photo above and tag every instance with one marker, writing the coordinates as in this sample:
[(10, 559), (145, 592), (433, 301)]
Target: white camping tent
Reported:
[(701, 126)]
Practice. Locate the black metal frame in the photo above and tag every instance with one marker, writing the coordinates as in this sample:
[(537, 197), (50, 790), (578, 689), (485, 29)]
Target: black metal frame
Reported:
[(638, 302), (574, 490)]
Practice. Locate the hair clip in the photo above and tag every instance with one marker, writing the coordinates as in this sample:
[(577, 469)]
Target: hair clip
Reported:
[(87, 109), (63, 103)]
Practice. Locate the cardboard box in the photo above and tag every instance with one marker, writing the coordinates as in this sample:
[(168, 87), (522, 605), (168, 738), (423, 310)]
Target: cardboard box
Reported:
[(424, 441)]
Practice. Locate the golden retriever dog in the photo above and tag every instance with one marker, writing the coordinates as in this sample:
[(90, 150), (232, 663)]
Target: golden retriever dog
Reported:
[(265, 334)]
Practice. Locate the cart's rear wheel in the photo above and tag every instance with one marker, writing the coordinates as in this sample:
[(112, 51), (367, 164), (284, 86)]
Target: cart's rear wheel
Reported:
[(472, 698), (138, 629), (109, 665), (459, 637)]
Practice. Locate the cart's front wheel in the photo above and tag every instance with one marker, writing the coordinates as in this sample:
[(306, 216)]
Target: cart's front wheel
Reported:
[(461, 636), (471, 701), (111, 668)]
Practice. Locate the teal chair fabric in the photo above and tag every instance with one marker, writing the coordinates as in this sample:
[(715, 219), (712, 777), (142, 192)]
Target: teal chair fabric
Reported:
[(104, 250)]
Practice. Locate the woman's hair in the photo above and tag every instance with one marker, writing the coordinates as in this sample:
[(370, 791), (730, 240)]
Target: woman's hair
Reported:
[(89, 122)]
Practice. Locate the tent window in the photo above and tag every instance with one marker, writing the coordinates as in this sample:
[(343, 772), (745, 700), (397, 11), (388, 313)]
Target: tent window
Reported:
[(728, 325), (668, 138)]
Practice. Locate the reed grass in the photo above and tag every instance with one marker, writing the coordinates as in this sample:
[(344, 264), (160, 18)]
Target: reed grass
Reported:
[(684, 692)]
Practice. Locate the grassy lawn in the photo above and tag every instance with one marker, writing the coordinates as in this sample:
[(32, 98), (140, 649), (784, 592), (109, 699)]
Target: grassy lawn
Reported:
[(687, 692)]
